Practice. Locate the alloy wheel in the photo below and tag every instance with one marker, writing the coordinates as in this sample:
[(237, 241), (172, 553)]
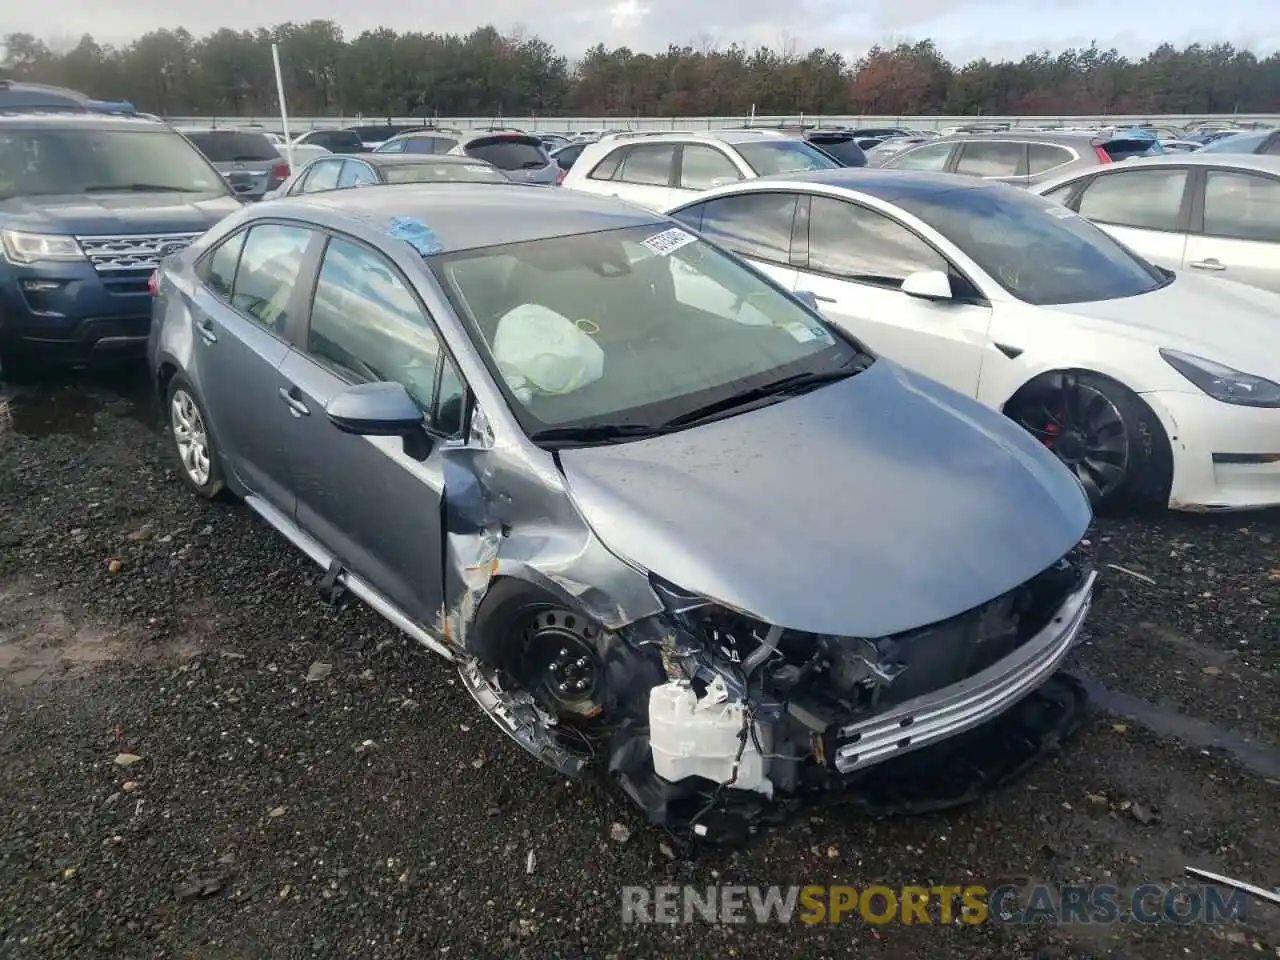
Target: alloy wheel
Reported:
[(190, 436), (1084, 429)]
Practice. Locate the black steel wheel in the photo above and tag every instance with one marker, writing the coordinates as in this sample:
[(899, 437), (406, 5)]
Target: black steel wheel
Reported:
[(1100, 430)]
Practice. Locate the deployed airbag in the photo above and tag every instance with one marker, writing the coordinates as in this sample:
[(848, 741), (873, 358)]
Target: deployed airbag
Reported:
[(540, 350)]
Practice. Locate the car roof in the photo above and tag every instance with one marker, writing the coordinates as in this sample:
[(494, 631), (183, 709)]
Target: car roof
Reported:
[(464, 216), (1262, 163), (1039, 136), (413, 159), (884, 184), (81, 121), (474, 135), (724, 135)]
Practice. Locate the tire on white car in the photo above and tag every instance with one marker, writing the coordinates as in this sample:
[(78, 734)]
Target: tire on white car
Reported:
[(1102, 431)]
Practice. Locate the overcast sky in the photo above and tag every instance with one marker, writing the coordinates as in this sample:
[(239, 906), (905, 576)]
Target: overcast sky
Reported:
[(963, 29)]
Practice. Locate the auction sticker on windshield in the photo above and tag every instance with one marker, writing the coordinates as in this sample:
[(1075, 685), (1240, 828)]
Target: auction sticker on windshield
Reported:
[(668, 241)]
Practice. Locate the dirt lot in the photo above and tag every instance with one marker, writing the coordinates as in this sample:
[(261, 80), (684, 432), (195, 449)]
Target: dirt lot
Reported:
[(372, 811)]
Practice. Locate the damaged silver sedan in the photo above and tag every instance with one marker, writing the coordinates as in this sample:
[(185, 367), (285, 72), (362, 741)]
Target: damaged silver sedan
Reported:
[(669, 525)]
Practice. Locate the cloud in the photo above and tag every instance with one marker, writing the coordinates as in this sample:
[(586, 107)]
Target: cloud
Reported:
[(961, 28)]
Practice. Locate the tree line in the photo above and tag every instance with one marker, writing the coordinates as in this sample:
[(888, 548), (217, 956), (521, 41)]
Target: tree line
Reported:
[(488, 73)]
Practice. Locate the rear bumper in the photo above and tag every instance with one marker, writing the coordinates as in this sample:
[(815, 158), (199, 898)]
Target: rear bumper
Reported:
[(961, 706)]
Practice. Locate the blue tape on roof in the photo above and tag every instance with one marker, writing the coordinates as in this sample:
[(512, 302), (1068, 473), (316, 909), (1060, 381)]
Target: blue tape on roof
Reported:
[(417, 234)]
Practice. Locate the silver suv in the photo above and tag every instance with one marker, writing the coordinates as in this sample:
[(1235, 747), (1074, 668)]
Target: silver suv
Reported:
[(1021, 158)]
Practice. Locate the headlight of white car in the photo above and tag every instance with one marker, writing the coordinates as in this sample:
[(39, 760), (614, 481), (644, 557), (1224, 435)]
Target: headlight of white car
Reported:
[(1222, 382), (22, 247)]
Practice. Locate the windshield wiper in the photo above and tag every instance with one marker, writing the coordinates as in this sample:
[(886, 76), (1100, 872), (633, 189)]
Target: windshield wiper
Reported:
[(595, 433), (139, 188), (786, 387)]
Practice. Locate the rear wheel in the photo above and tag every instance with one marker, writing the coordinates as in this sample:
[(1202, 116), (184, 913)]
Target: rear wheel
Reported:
[(1100, 430), (193, 445)]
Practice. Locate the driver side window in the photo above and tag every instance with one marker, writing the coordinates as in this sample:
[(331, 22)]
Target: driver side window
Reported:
[(854, 243), (366, 326)]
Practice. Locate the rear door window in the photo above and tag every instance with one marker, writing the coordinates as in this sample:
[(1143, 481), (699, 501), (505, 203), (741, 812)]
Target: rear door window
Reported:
[(931, 157), (607, 168), (1146, 199), (222, 266), (322, 176), (355, 172), (703, 167), (1042, 157), (510, 153), (270, 265), (649, 164), (991, 158), (753, 225), (1243, 206)]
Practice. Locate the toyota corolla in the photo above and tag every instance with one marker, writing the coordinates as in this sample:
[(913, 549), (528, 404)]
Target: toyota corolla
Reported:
[(668, 524)]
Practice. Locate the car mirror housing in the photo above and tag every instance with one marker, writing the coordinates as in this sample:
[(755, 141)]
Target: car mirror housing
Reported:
[(928, 285), (375, 410)]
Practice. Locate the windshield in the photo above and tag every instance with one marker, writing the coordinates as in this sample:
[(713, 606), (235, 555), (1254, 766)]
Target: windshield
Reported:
[(230, 146), (510, 153), (433, 172), (1237, 143), (1039, 251), (52, 161), (845, 149), (631, 328), (769, 157)]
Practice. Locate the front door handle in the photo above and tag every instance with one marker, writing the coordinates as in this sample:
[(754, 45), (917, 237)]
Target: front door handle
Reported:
[(205, 326), (820, 298), (293, 400), (1210, 263)]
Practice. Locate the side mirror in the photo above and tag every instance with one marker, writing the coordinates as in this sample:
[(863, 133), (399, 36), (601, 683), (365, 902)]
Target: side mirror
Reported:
[(375, 410), (807, 297), (928, 285)]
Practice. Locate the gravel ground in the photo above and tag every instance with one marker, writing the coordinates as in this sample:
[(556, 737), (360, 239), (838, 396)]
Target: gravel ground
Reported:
[(374, 812)]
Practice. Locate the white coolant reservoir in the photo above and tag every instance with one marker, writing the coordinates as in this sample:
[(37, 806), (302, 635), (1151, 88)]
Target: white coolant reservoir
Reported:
[(700, 737)]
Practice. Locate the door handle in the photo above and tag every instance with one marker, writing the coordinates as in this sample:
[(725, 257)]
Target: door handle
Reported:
[(205, 326), (294, 401), (1211, 263), (821, 299)]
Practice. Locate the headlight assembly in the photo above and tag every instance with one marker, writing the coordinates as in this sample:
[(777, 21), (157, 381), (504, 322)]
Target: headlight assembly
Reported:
[(1224, 383), (20, 247)]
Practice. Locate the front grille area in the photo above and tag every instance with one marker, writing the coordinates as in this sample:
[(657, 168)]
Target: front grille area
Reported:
[(838, 684), (115, 254)]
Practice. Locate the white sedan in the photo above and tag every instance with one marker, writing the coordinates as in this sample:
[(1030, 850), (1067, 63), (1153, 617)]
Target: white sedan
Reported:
[(1151, 385)]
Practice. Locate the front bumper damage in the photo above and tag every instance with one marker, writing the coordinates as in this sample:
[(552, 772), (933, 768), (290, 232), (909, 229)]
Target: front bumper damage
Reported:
[(969, 702), (714, 723)]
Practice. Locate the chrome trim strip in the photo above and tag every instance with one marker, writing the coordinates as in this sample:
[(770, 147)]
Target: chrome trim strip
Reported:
[(961, 706)]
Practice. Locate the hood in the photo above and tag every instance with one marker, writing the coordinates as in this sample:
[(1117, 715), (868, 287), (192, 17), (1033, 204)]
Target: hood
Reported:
[(117, 213), (877, 504), (1220, 320)]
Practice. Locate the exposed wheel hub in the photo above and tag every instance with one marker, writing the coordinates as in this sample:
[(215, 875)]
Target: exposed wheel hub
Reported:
[(560, 662)]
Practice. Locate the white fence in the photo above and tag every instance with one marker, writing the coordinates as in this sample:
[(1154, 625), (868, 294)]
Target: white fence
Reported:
[(595, 124)]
